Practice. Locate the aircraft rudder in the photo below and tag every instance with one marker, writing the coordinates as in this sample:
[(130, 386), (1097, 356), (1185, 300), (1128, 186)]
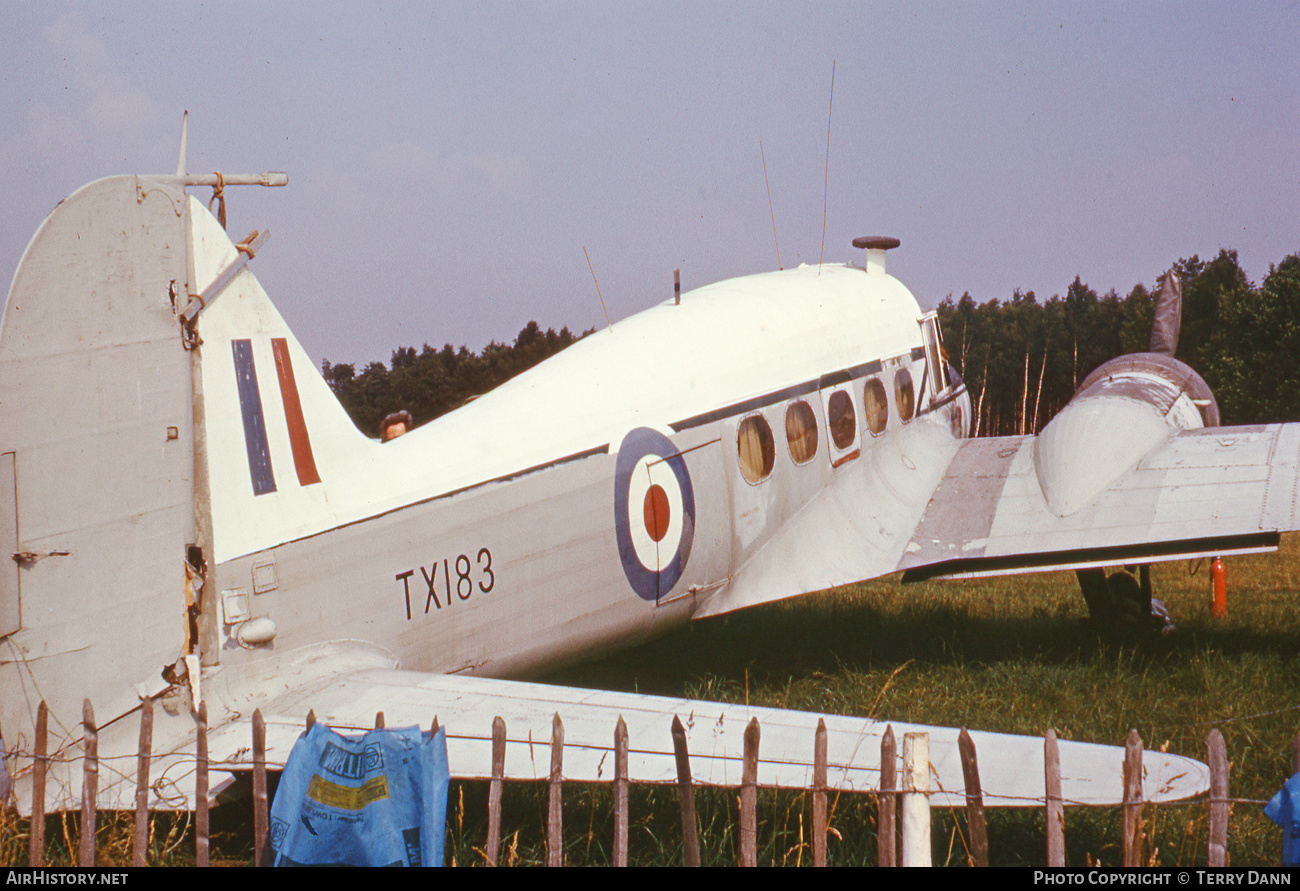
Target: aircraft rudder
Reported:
[(95, 418)]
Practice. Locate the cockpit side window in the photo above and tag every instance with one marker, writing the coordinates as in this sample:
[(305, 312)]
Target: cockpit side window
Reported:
[(935, 363)]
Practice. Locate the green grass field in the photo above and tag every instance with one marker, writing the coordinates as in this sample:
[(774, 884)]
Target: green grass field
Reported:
[(1016, 655), (1011, 654)]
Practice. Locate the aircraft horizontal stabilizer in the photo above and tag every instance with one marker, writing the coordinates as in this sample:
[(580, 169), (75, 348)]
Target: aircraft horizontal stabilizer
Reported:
[(1011, 767)]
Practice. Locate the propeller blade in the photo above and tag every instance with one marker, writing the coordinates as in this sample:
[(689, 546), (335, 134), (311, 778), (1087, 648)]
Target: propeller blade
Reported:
[(1168, 316)]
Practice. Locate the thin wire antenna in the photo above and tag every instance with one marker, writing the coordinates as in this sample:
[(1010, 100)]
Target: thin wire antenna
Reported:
[(598, 294), (769, 206), (826, 187)]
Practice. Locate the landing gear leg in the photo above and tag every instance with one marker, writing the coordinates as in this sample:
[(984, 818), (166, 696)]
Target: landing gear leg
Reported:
[(1144, 590), (1096, 592), (1121, 600)]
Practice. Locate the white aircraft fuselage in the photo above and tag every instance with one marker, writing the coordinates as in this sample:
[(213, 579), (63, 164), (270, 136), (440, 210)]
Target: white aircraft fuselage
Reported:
[(522, 530)]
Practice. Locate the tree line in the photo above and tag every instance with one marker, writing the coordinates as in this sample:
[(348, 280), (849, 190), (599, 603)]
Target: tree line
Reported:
[(1022, 360), (432, 382)]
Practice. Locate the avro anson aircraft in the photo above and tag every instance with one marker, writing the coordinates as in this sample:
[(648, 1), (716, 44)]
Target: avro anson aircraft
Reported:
[(192, 516)]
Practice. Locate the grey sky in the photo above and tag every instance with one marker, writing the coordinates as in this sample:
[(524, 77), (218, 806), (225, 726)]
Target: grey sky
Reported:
[(448, 162)]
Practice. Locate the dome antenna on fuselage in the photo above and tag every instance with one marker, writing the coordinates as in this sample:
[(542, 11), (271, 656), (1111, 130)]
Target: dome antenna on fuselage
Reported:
[(875, 246)]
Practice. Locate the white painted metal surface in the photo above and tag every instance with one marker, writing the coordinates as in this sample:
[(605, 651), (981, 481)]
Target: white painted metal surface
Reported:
[(725, 343), (92, 375)]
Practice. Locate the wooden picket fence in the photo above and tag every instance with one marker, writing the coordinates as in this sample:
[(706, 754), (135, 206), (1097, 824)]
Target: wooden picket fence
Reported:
[(913, 796)]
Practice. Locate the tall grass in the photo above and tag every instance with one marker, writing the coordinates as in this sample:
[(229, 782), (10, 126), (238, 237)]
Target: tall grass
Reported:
[(169, 841), (1014, 655)]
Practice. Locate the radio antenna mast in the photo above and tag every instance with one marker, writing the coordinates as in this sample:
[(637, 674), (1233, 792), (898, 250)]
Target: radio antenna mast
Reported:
[(608, 325), (769, 206), (827, 181)]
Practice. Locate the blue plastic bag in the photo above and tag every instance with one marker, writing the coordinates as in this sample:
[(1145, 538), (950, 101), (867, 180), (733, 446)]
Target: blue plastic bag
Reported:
[(379, 799), (1284, 810)]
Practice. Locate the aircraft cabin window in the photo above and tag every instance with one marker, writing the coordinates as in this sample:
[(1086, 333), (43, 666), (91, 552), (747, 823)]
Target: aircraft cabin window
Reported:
[(841, 419), (876, 406), (801, 432), (904, 394), (756, 448)]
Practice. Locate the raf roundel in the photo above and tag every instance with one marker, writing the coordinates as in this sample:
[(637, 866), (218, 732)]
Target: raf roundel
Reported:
[(654, 512)]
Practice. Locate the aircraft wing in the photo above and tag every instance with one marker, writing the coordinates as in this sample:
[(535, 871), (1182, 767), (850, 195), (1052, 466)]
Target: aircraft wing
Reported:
[(1203, 492), (959, 510), (1011, 767)]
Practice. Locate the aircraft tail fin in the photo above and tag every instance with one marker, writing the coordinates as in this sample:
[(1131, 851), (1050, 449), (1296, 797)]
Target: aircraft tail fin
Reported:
[(282, 456), (141, 431)]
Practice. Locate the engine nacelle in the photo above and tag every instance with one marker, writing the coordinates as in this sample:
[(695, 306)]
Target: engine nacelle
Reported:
[(1122, 411), (1163, 381)]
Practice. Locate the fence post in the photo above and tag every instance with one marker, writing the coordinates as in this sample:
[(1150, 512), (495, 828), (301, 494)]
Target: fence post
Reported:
[(916, 799), (201, 849), (260, 853), (1055, 804), (89, 786), (36, 847), (686, 795), (819, 794), (887, 837), (1133, 800), (979, 839), (749, 797), (1218, 758), (142, 784), (620, 792), (494, 789), (555, 804)]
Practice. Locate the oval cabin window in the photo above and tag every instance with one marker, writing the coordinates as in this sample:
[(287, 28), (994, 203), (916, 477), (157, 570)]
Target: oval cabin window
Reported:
[(876, 406), (756, 448), (801, 432), (904, 394), (841, 419)]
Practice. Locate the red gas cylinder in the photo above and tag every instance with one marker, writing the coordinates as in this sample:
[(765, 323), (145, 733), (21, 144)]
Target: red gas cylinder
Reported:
[(1219, 606)]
